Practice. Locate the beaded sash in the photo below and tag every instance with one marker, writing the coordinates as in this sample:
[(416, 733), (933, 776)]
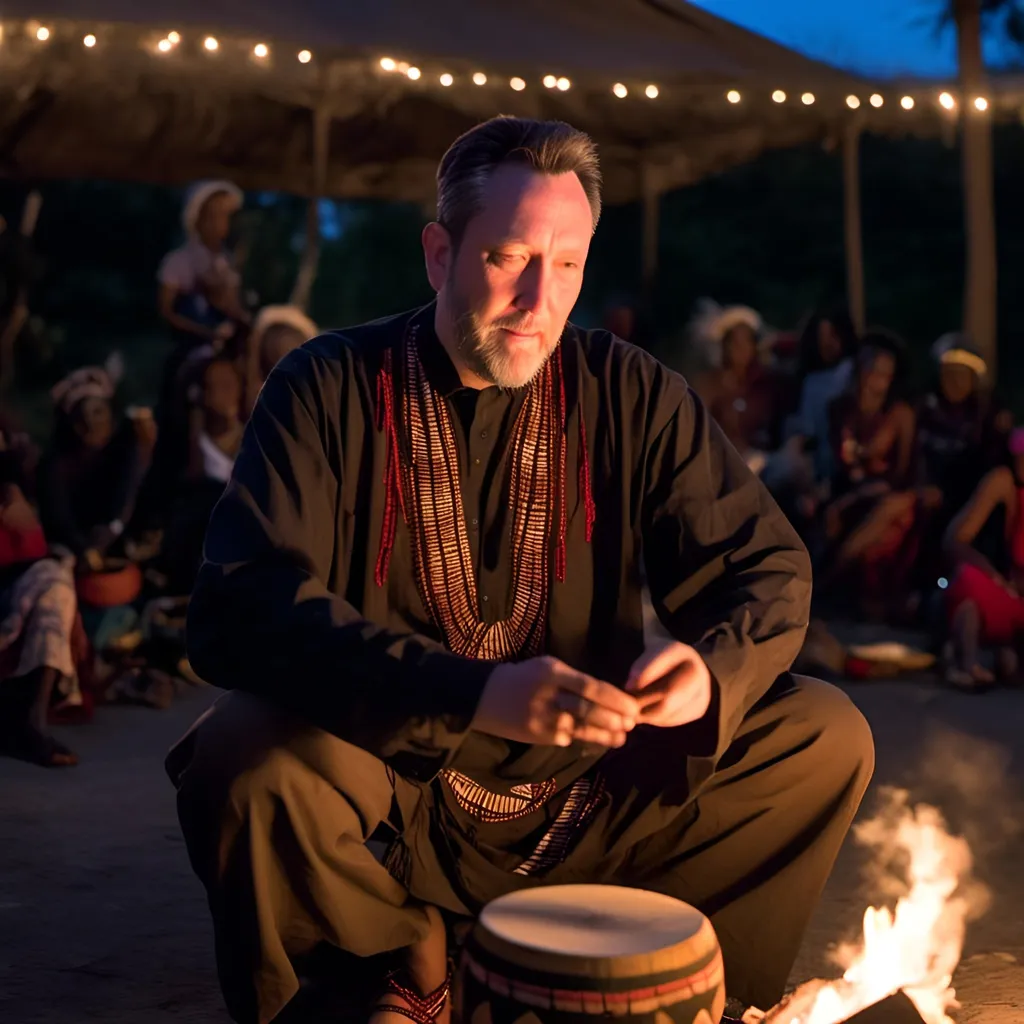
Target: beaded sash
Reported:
[(432, 501)]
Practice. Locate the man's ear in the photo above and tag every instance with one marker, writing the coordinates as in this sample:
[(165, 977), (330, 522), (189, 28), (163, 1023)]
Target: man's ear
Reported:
[(438, 254)]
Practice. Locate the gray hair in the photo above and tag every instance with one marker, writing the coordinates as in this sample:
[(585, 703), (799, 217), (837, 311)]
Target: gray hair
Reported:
[(549, 147)]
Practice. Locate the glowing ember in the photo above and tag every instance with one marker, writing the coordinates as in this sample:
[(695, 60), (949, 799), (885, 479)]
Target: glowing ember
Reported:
[(914, 947)]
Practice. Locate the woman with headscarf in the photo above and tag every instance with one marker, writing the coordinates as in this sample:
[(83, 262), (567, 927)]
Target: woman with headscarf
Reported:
[(961, 435), (90, 479), (742, 394), (276, 331)]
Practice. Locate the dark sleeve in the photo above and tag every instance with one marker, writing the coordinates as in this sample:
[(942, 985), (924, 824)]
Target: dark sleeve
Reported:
[(727, 572), (263, 618)]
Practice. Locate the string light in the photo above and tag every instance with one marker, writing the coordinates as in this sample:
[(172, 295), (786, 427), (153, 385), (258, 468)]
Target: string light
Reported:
[(620, 90), (414, 74), (947, 101), (89, 41), (563, 84), (651, 92), (305, 56), (261, 51), (981, 103), (479, 78), (549, 81), (517, 83), (173, 38), (211, 44), (876, 100), (907, 103), (387, 64), (779, 96), (42, 33), (164, 46), (807, 99), (853, 102), (733, 96), (446, 79)]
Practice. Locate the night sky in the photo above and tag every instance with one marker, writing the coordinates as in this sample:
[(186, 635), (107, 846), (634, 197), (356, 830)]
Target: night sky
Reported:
[(885, 38)]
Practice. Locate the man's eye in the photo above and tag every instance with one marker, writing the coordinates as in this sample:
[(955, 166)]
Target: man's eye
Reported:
[(505, 259)]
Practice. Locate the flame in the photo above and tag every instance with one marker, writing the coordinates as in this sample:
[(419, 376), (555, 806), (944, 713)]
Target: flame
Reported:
[(915, 946)]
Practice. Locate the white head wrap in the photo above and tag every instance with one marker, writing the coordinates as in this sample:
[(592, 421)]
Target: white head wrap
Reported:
[(712, 323), (281, 316), (199, 194)]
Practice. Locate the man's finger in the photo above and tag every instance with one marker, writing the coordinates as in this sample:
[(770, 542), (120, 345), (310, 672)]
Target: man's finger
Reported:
[(656, 667), (608, 696), (586, 712), (601, 737)]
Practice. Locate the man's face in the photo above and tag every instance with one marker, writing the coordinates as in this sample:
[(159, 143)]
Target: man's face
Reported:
[(517, 273)]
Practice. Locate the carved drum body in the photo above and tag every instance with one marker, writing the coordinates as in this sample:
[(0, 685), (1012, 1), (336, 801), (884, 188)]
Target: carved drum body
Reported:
[(567, 954)]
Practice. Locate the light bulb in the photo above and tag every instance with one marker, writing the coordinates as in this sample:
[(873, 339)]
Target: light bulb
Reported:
[(387, 64), (89, 41), (563, 84), (479, 78), (876, 100), (947, 101), (42, 33), (907, 103), (651, 92), (164, 46), (414, 73), (981, 103), (517, 83), (549, 81), (173, 38), (305, 56), (446, 79), (807, 99), (261, 50), (733, 96), (620, 90), (853, 102), (779, 96), (211, 44)]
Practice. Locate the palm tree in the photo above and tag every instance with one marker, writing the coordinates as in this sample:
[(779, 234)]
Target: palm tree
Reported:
[(980, 283)]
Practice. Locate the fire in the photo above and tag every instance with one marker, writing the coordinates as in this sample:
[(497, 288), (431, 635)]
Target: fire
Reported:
[(915, 946)]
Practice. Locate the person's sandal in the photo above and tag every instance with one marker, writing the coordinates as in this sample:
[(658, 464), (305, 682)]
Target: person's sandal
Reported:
[(421, 1009)]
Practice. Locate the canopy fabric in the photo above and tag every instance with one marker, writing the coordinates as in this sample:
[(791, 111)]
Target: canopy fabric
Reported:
[(124, 109)]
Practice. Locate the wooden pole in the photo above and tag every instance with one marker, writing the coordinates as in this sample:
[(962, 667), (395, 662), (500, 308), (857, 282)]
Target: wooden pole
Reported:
[(310, 258), (980, 285), (852, 225)]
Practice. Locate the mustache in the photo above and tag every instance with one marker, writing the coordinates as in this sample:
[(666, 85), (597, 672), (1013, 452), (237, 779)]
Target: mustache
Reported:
[(521, 323)]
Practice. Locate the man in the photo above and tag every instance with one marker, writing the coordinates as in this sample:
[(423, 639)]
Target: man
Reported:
[(425, 576)]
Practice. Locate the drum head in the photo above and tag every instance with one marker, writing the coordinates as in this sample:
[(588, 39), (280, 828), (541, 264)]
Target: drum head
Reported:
[(592, 921)]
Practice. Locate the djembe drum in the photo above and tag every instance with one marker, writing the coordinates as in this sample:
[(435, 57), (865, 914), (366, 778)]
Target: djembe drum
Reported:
[(564, 954)]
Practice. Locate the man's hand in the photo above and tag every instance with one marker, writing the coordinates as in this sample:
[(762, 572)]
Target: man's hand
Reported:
[(544, 701), (672, 685)]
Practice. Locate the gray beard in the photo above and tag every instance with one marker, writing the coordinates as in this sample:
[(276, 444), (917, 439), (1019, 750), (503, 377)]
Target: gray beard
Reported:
[(487, 358)]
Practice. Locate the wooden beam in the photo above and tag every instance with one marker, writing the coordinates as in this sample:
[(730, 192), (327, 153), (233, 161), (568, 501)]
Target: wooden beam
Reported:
[(852, 229)]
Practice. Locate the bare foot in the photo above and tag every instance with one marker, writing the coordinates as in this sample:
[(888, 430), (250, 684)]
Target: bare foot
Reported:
[(426, 972)]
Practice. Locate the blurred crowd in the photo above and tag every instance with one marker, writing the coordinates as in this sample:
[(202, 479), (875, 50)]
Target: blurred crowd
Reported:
[(912, 508)]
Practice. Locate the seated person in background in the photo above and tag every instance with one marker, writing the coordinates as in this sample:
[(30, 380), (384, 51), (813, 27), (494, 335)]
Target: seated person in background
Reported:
[(984, 604), (276, 331), (828, 345), (740, 392), (215, 435), (89, 480), (37, 616), (961, 435), (869, 521)]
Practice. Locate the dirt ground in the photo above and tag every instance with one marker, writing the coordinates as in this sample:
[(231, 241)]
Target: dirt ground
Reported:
[(102, 919)]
